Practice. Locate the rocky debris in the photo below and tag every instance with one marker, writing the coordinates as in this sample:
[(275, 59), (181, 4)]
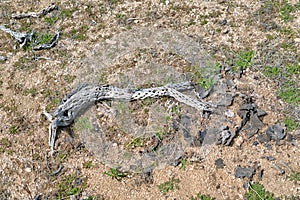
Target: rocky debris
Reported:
[(260, 174), (262, 138), (219, 163), (251, 118), (275, 132), (241, 172), (201, 92), (223, 137), (215, 136)]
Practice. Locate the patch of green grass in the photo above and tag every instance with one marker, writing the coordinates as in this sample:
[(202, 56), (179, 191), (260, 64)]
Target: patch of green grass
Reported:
[(69, 78), (293, 69), (191, 23), (286, 31), (169, 185), (53, 104), (13, 129), (31, 91), (203, 22), (285, 11), (51, 20), (136, 142), (290, 124), (120, 16), (87, 164), (288, 46), (24, 63), (201, 197), (243, 60), (257, 192), (290, 93), (102, 77), (116, 174), (82, 124), (66, 13), (203, 76), (160, 133), (271, 71), (183, 164), (79, 34), (66, 187), (5, 142), (294, 177), (43, 38)]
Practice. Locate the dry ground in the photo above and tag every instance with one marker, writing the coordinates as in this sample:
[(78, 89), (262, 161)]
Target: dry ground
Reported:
[(268, 28)]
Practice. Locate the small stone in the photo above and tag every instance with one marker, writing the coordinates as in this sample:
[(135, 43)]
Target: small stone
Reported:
[(108, 41), (3, 58), (276, 132), (255, 143), (27, 169), (219, 163), (263, 138), (289, 137), (261, 113), (223, 22), (241, 172), (268, 146), (229, 113), (269, 158), (260, 174)]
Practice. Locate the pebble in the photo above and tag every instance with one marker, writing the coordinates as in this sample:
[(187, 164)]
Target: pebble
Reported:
[(241, 172), (27, 169), (223, 22), (276, 132), (229, 113), (219, 163)]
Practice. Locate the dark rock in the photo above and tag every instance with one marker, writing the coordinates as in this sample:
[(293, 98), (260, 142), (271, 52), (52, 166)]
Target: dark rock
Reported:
[(261, 113), (252, 132), (276, 132), (289, 137), (268, 146), (255, 143), (255, 121), (223, 22), (262, 138), (269, 158), (202, 93), (223, 137), (225, 100), (219, 163), (248, 106), (241, 172), (201, 135), (260, 174)]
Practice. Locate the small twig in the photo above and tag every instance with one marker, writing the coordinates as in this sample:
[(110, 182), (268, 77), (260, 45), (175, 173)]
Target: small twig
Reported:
[(42, 12), (281, 171), (56, 171)]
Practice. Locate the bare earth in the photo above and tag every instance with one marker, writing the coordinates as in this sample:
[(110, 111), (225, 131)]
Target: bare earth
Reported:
[(27, 86)]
